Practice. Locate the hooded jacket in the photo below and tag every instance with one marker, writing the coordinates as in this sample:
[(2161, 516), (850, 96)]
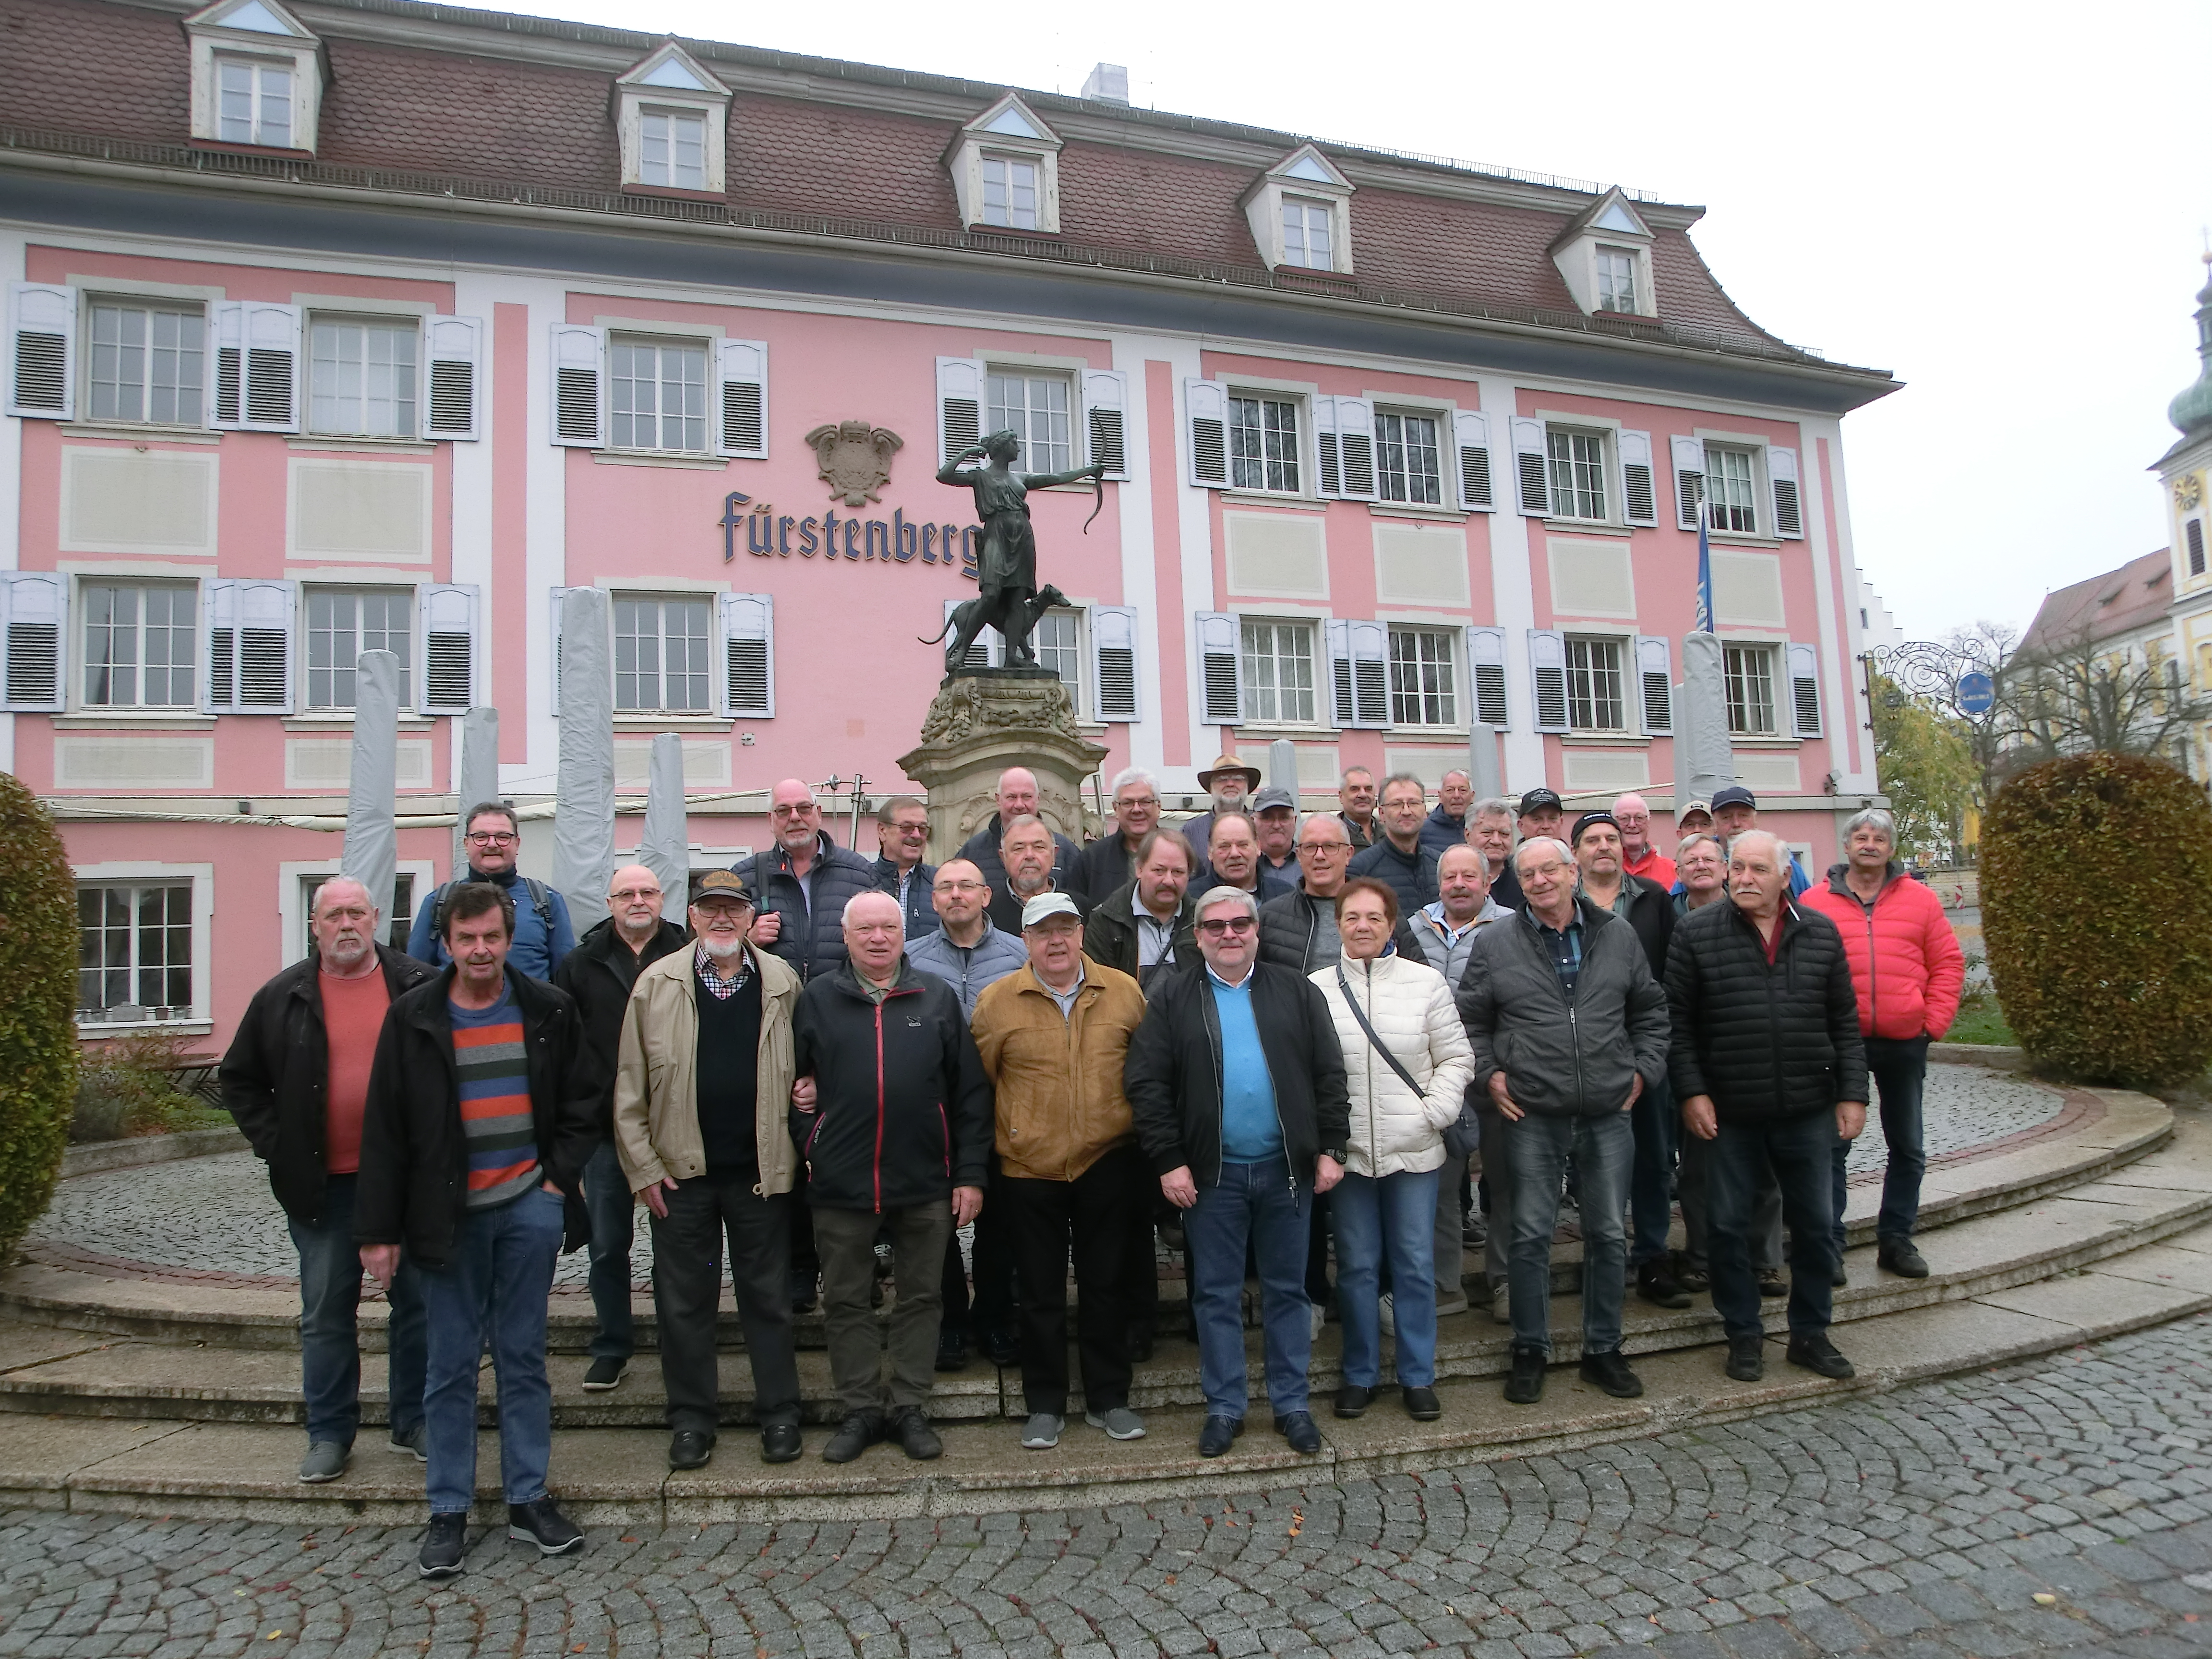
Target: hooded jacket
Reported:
[(1411, 1008), (1057, 1080), (811, 938), (275, 1075), (1906, 967)]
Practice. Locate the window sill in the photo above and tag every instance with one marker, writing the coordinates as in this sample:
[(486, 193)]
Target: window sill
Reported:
[(1740, 538), (1278, 729), (137, 432), (1737, 741), (1587, 527), (226, 148), (1416, 510), (87, 720), (357, 442), (672, 192), (1268, 498), (645, 720), (101, 1029), (1604, 740), (342, 721), (660, 458)]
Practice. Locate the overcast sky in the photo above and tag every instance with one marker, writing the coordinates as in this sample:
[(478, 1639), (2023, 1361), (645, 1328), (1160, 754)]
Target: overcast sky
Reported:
[(2003, 205)]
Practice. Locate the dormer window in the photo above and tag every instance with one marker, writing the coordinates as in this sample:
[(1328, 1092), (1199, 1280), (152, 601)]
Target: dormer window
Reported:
[(1300, 211), (1604, 255), (1006, 169), (257, 75), (671, 115)]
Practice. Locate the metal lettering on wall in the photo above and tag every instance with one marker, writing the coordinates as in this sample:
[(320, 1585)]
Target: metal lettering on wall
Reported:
[(897, 540)]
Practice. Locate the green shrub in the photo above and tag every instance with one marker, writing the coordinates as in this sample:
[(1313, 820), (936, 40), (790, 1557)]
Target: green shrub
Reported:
[(129, 1087), (38, 1008), (2097, 911)]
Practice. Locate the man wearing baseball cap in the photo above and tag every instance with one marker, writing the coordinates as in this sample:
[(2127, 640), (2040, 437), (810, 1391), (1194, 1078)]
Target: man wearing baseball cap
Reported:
[(1541, 814), (1735, 809), (1693, 817), (1276, 812), (703, 1086), (1053, 1036)]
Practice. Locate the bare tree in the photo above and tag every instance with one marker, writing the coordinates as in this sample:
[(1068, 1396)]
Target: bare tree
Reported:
[(2071, 695)]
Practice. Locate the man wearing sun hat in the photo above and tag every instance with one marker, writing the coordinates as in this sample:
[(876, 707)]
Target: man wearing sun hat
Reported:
[(1230, 781)]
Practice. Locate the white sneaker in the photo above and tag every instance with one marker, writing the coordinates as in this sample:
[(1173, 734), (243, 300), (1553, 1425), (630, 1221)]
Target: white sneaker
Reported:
[(1041, 1432), (1385, 1315), (1449, 1305)]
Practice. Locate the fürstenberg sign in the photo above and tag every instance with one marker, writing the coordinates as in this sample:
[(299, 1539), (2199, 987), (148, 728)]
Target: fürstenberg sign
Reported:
[(896, 540)]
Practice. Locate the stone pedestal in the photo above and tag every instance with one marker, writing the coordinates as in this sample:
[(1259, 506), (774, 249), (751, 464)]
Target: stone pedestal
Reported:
[(984, 720)]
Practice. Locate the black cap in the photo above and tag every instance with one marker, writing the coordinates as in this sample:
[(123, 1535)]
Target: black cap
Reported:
[(1575, 835), (720, 884), (1536, 800), (1734, 795)]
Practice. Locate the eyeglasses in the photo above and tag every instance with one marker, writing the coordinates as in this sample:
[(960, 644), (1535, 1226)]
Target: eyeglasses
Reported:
[(911, 828), (1137, 800), (957, 887), (1333, 849), (799, 810), (1232, 925), (626, 894), (491, 838)]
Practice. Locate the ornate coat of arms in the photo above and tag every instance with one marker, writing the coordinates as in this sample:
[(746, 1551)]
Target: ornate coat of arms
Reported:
[(855, 458)]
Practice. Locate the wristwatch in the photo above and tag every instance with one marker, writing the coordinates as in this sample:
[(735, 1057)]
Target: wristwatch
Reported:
[(1334, 1153)]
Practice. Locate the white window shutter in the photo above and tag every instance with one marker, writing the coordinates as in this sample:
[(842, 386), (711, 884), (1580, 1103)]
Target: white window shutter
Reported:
[(579, 385), (35, 608), (1220, 668), (1639, 495), (1106, 420), (1485, 657), (1532, 468), (1329, 457), (41, 351), (555, 594), (453, 373), (741, 400), (1805, 688), (1471, 433), (986, 650), (257, 367), (1782, 475), (1355, 442), (249, 646), (960, 388), (1655, 678), (1206, 417), (1113, 662), (749, 655), (1548, 673), (447, 684), (1344, 710), (1359, 673), (1689, 454)]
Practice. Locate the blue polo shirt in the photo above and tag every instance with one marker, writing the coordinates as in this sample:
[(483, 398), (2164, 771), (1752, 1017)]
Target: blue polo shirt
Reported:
[(1251, 1130)]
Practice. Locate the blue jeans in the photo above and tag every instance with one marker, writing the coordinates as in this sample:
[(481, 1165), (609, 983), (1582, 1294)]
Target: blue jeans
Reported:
[(1657, 1126), (1801, 1150), (1604, 1150), (330, 1345), (496, 1286), (1255, 1204), (1397, 1213), (613, 1210), (1899, 1069)]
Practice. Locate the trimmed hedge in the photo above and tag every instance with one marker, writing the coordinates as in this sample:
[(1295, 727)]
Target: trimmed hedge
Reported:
[(2097, 913), (38, 1009)]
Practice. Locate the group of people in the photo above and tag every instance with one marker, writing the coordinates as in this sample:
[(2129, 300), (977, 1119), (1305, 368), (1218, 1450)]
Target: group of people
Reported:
[(1256, 1035)]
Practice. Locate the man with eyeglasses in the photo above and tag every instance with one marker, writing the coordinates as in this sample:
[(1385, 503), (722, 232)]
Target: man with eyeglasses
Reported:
[(802, 885), (1236, 1086), (601, 973), (1297, 930), (1112, 859), (543, 934), (902, 838), (1143, 926)]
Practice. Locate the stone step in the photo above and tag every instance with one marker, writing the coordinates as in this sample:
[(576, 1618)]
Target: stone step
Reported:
[(611, 1477), (48, 1370)]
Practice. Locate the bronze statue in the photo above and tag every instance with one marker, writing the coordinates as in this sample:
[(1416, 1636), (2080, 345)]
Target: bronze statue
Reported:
[(1009, 599)]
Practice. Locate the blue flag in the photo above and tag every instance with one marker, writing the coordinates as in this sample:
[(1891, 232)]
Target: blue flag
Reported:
[(1704, 624)]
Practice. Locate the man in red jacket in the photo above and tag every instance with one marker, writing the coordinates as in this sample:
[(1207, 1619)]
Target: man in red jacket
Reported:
[(1907, 971)]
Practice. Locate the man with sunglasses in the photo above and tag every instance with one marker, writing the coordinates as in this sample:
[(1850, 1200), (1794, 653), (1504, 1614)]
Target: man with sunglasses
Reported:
[(543, 934), (902, 839)]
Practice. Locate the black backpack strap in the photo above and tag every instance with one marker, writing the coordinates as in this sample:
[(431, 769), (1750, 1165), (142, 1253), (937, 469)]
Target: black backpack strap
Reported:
[(1380, 1047)]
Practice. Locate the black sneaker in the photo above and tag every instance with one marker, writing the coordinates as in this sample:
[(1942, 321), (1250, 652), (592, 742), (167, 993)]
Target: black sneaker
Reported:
[(1352, 1399), (1841, 1277), (1298, 1428), (1217, 1435), (443, 1547), (541, 1524), (1746, 1360), (951, 1349), (1525, 1385), (802, 1293), (779, 1443), (915, 1436), (859, 1431), (1422, 1405), (1897, 1255), (690, 1448), (1003, 1344), (1610, 1372), (605, 1374), (1657, 1286), (1817, 1353)]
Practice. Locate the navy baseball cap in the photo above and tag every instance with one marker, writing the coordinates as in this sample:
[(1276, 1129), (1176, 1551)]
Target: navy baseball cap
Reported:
[(1734, 795)]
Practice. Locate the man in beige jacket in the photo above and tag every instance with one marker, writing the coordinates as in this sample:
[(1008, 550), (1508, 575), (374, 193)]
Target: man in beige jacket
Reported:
[(702, 1088)]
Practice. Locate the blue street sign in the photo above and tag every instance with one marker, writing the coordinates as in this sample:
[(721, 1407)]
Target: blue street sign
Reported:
[(1976, 694)]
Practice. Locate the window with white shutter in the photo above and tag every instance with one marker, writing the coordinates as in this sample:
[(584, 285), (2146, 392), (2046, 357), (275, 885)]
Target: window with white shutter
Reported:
[(249, 654), (1531, 468), (1689, 459), (1328, 455), (41, 351), (741, 398), (1547, 674), (364, 377), (1485, 656), (1355, 443), (959, 405), (1655, 674), (1782, 478), (1639, 498), (1805, 689), (1358, 672), (1105, 420), (986, 650), (1471, 433), (749, 655), (454, 356), (1220, 669), (34, 609), (256, 365), (1113, 662), (449, 616), (1206, 416), (579, 413)]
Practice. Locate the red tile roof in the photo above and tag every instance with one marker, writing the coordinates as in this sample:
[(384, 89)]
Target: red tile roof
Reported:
[(2118, 602)]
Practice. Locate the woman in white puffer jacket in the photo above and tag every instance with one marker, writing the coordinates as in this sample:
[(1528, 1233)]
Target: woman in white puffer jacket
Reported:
[(1387, 1200)]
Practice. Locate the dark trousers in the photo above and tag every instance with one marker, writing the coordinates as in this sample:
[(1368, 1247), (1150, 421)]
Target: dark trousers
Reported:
[(613, 1209), (1799, 1151), (846, 1240), (329, 1342), (1766, 1212), (1649, 1195), (687, 1294), (993, 1306), (1899, 1069), (1091, 1217)]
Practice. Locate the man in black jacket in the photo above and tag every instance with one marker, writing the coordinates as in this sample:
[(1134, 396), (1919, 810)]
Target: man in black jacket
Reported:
[(1017, 798), (893, 1113), (1770, 1069), (599, 974), (901, 840), (297, 1078), (1112, 859), (1396, 856), (1297, 930), (483, 1108), (1569, 1028), (1144, 926), (1237, 1085)]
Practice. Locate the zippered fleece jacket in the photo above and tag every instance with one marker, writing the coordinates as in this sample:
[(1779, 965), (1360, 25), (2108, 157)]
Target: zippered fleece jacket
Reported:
[(903, 1109), (1392, 1129), (1906, 966), (1564, 1057)]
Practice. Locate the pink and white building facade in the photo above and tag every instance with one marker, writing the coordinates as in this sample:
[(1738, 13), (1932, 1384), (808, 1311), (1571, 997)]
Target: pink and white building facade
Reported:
[(361, 324)]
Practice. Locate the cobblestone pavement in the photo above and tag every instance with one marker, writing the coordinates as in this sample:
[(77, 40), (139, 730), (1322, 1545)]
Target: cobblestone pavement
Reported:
[(2060, 1504), (216, 1213)]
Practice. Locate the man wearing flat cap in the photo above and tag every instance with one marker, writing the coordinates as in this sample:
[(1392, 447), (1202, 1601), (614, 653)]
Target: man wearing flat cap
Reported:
[(1230, 782)]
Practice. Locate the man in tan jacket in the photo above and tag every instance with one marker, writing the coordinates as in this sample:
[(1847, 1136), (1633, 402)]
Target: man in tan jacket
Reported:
[(1053, 1036), (703, 1086)]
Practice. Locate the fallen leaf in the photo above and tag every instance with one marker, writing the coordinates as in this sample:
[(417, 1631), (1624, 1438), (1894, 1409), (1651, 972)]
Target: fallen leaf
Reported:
[(2046, 1599)]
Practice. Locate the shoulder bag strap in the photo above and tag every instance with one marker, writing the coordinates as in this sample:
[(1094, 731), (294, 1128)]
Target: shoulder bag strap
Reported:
[(1380, 1047)]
